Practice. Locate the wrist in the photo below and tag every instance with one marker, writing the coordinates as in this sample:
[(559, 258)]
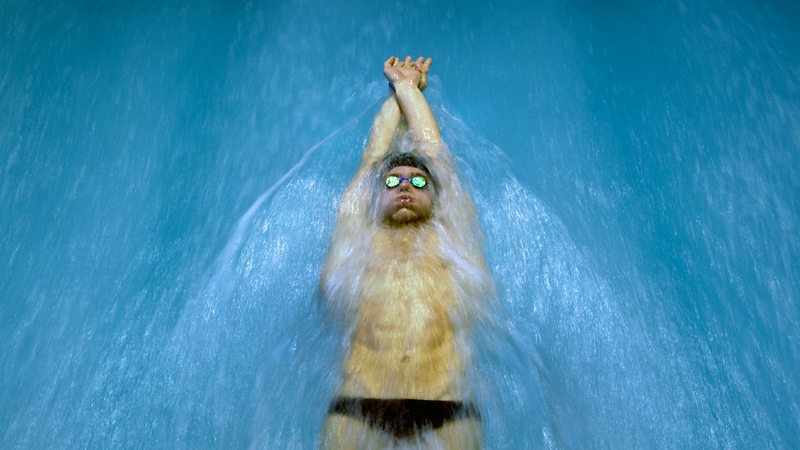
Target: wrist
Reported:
[(404, 85)]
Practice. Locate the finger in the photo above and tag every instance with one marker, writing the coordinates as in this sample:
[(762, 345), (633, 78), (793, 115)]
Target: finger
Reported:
[(408, 59), (390, 62), (423, 65)]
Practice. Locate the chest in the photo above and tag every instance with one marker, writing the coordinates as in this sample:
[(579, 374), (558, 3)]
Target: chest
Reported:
[(407, 268)]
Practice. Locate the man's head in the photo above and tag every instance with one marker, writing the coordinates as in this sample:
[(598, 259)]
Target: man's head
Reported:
[(406, 203)]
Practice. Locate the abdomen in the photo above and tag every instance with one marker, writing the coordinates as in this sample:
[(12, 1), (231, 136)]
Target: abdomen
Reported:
[(404, 342)]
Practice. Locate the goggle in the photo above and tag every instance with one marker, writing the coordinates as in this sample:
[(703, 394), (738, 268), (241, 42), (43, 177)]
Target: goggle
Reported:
[(419, 182)]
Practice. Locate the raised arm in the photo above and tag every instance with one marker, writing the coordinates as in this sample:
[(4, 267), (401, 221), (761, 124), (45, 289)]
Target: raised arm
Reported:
[(353, 217), (408, 78), (388, 118), (382, 132)]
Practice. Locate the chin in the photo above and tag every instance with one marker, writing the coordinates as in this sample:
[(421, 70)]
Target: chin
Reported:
[(404, 217)]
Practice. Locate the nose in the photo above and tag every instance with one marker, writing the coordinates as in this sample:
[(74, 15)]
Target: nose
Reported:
[(405, 184)]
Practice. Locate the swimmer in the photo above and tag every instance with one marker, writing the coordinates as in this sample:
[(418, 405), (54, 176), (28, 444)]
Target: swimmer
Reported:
[(406, 275)]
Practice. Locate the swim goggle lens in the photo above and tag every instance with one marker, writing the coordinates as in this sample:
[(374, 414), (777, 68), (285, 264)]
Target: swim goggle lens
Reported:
[(418, 182)]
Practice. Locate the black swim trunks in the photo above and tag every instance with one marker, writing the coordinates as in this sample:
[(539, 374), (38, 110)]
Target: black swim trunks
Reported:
[(403, 417)]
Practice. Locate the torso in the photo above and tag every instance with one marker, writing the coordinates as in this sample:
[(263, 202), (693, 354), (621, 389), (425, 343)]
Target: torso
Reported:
[(404, 341)]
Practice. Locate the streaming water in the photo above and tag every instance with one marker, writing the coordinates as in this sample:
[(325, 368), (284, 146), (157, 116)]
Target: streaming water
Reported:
[(169, 176)]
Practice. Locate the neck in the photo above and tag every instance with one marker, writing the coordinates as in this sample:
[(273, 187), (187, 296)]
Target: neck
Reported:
[(406, 236), (414, 226)]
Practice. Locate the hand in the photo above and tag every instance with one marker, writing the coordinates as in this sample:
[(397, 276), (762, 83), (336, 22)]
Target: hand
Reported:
[(411, 72)]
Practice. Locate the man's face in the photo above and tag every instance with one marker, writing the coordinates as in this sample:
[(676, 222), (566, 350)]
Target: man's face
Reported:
[(406, 204)]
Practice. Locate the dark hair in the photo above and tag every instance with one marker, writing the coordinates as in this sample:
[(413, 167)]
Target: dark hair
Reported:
[(405, 159)]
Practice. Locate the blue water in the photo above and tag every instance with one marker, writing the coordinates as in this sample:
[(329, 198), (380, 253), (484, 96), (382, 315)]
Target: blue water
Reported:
[(169, 176)]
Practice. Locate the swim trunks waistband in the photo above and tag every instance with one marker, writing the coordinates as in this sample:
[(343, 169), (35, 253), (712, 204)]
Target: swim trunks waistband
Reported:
[(403, 417)]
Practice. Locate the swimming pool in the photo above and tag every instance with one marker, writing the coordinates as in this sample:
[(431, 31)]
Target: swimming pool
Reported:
[(169, 179)]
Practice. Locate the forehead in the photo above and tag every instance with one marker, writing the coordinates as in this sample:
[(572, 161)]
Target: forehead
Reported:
[(406, 171)]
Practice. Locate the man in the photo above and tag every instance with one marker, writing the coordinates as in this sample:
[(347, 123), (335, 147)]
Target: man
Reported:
[(406, 274)]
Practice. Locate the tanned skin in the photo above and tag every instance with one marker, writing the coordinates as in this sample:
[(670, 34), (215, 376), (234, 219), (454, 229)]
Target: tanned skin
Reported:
[(404, 274)]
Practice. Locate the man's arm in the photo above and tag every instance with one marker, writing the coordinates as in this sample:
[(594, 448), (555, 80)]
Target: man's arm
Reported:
[(382, 132), (352, 218), (413, 77), (408, 78), (414, 74)]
